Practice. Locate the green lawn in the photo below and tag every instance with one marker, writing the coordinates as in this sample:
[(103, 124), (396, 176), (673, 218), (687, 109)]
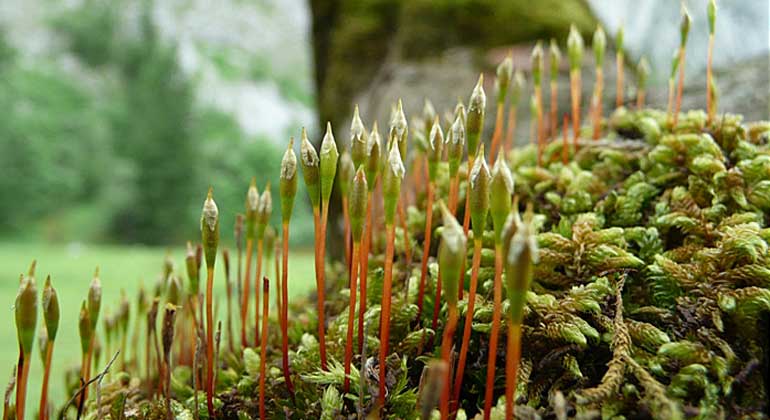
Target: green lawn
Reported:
[(71, 268)]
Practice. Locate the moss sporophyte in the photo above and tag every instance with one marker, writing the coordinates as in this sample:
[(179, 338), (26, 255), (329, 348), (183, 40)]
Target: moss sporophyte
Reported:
[(634, 283)]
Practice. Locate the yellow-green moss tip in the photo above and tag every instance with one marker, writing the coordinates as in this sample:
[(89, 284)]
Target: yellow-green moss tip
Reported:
[(311, 170), (554, 56), (210, 229), (474, 123), (51, 310), (500, 197), (358, 199), (537, 63), (288, 186), (392, 177), (479, 193), (95, 299), (575, 46), (504, 74), (25, 310), (329, 158), (599, 45)]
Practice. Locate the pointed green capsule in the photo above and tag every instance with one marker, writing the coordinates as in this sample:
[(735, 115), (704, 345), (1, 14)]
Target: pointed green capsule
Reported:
[(399, 128), (174, 292), (252, 204), (359, 141), (504, 74), (684, 27), (124, 314), (373, 156), (674, 64), (392, 177), (537, 63), (51, 311), (642, 72), (451, 254), (84, 326), (288, 186), (479, 194), (474, 123), (94, 299), (455, 144), (435, 149), (141, 300), (311, 169), (554, 54), (167, 330), (192, 270), (329, 158), (575, 46), (428, 115), (517, 87), (522, 254), (620, 40), (347, 171), (358, 198), (26, 314), (500, 197), (599, 44), (712, 16), (264, 211), (460, 112), (210, 229)]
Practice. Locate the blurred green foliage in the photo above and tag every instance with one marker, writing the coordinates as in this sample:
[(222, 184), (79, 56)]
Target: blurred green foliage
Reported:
[(121, 150)]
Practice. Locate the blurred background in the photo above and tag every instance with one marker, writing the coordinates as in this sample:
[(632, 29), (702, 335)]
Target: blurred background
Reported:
[(116, 115)]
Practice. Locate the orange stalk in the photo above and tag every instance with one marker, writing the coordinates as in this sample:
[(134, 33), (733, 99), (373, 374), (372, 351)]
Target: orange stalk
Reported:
[(285, 308), (498, 133), (554, 124), (257, 276), (43, 410), (402, 220), (497, 305), (540, 140), (364, 268), (597, 109), (322, 284), (565, 141), (446, 347), (619, 82), (640, 99), (346, 221), (575, 94), (229, 292), (466, 220), (425, 248), (263, 345), (278, 289), (21, 384), (709, 82), (511, 129), (458, 382), (210, 340), (680, 86), (453, 187), (390, 232), (513, 356), (246, 291), (351, 315)]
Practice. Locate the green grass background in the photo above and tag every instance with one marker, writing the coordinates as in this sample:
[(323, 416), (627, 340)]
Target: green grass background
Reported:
[(71, 268)]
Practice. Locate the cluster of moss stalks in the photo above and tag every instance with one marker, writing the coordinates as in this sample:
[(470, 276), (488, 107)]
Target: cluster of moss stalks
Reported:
[(623, 270)]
